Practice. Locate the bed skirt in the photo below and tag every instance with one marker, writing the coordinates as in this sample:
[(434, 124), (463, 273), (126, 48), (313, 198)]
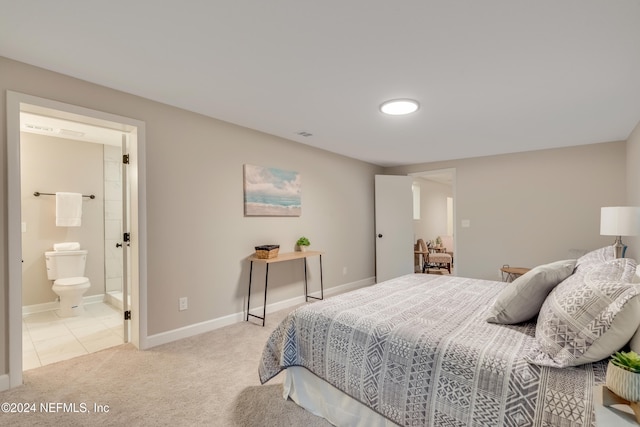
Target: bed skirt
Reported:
[(324, 400)]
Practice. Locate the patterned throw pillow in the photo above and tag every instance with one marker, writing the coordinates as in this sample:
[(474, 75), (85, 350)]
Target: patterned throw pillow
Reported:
[(588, 316), (521, 300), (597, 256)]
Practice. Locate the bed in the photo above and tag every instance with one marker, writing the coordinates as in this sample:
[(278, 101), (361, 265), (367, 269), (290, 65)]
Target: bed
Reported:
[(419, 350)]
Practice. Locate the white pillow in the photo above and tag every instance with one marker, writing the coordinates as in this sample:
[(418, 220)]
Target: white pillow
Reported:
[(589, 316), (521, 300)]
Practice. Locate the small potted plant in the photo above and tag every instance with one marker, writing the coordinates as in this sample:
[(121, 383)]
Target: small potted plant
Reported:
[(623, 375), (438, 242), (302, 244)]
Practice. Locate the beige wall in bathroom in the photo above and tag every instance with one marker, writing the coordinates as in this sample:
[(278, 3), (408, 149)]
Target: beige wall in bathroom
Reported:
[(50, 164)]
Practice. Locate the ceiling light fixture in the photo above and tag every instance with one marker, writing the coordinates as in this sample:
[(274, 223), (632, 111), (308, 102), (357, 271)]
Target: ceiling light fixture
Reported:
[(399, 107)]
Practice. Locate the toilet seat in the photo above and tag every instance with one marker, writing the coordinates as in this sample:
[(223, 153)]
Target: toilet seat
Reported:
[(72, 281)]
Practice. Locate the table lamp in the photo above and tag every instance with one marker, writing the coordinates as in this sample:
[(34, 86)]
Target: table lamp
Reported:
[(619, 221)]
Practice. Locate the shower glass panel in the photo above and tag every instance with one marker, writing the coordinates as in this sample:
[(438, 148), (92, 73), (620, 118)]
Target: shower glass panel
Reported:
[(113, 224)]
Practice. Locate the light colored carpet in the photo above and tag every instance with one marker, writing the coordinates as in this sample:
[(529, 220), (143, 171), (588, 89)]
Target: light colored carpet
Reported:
[(209, 380)]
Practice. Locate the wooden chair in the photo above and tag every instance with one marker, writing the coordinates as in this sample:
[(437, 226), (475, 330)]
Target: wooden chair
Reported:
[(433, 260), (423, 252)]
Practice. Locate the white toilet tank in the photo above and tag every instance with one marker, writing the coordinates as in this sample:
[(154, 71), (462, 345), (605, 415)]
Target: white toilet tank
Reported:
[(63, 264)]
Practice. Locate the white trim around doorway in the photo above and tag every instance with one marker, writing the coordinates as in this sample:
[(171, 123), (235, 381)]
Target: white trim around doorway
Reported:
[(17, 102)]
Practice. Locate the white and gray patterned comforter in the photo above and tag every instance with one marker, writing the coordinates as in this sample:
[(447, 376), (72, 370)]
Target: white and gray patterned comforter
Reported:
[(417, 350)]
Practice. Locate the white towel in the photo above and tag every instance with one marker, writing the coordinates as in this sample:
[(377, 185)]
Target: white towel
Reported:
[(66, 246), (68, 209)]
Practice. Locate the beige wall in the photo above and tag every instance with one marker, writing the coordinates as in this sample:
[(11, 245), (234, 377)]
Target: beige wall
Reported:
[(48, 165), (633, 186), (198, 236), (524, 209), (530, 208)]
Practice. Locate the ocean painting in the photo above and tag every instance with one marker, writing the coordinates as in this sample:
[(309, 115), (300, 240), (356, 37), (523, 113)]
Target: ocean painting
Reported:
[(271, 192)]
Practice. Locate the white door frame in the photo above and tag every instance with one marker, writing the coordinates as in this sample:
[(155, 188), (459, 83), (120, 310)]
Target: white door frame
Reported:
[(15, 103)]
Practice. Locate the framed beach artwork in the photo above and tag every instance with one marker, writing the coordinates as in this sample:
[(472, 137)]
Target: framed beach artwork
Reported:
[(271, 192)]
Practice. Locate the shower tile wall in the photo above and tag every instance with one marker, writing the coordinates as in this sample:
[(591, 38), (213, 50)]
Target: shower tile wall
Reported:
[(112, 218)]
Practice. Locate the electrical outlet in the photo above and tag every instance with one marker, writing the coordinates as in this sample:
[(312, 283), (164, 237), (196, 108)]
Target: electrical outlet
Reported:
[(183, 304)]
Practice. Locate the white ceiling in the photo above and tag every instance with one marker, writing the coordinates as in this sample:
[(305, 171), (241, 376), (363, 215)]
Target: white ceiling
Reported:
[(492, 76)]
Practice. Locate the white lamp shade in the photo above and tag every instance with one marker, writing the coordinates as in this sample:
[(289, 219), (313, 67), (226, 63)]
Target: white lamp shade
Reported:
[(620, 221)]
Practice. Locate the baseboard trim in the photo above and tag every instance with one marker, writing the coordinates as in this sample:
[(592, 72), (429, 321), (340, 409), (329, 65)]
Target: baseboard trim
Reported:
[(54, 305), (4, 382), (210, 325)]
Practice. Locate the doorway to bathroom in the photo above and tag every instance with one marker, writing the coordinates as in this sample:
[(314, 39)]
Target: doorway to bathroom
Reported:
[(62, 156), (60, 147)]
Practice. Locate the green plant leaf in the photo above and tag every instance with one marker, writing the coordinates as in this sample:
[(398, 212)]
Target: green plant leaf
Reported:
[(303, 241), (627, 360)]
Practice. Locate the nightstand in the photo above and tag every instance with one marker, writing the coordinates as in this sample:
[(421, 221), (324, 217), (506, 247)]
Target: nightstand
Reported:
[(509, 274)]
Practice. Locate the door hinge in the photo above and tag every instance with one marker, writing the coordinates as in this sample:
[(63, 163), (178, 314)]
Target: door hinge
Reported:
[(126, 237), (127, 315), (125, 159)]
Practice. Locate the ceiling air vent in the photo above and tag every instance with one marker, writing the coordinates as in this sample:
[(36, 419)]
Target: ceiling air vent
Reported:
[(69, 132)]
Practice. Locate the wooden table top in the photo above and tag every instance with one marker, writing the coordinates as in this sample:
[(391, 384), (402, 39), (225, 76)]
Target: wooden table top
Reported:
[(515, 270), (285, 256)]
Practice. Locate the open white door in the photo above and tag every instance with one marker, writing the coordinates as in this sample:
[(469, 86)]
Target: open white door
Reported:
[(394, 226), (125, 237)]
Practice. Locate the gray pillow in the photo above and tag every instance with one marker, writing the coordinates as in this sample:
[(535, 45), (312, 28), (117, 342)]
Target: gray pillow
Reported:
[(634, 344), (589, 316), (521, 300)]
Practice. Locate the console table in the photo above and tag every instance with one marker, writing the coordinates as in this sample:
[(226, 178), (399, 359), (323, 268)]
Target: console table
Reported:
[(282, 258)]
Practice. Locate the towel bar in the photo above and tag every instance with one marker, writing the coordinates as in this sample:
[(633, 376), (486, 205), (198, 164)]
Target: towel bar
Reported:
[(37, 193)]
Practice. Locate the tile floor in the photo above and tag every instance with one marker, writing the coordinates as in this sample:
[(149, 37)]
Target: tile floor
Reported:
[(48, 338)]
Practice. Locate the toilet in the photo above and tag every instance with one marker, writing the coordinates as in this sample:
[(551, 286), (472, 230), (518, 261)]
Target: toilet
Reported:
[(65, 266)]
